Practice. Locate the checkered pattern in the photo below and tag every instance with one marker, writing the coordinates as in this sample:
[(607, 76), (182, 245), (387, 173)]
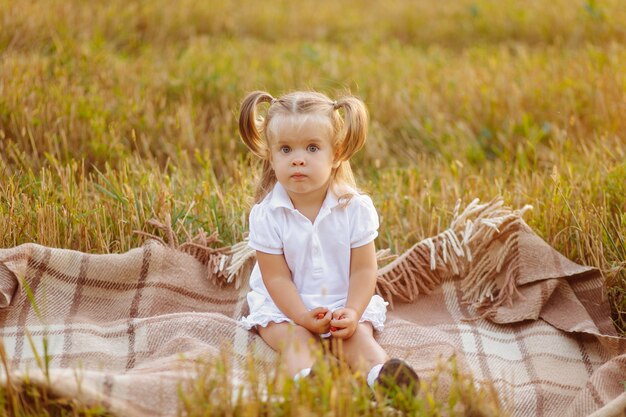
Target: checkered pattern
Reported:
[(127, 329)]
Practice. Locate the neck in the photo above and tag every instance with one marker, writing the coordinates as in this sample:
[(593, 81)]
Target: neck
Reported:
[(309, 204)]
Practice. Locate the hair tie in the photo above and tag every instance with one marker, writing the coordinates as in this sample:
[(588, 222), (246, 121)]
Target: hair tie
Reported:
[(335, 106), (273, 101)]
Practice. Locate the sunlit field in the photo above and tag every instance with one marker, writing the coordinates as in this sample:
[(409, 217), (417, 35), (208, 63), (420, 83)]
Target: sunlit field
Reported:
[(116, 112)]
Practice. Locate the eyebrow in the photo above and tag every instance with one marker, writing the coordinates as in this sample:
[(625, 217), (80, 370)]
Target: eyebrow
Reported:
[(308, 140)]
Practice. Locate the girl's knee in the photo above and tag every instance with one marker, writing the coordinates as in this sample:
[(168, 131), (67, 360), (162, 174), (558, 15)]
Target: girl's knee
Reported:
[(282, 336), (364, 331), (302, 333)]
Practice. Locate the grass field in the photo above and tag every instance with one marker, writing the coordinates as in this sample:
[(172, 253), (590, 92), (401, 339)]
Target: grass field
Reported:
[(116, 112)]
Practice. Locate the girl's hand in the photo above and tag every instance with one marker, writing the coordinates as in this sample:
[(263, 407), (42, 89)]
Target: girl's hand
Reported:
[(344, 323), (317, 320)]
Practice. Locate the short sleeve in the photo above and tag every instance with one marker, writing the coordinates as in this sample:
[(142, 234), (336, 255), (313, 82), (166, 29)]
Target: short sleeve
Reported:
[(363, 221), (264, 231)]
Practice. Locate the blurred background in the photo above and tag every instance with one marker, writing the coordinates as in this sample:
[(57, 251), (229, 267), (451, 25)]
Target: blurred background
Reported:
[(116, 112)]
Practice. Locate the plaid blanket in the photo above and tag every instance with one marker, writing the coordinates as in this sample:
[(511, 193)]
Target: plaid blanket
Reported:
[(124, 329)]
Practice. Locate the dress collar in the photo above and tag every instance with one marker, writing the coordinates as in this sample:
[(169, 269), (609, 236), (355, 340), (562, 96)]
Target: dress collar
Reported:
[(278, 197)]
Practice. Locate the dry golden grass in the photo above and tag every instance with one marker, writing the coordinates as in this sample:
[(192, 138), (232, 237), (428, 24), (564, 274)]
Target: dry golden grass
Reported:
[(112, 113)]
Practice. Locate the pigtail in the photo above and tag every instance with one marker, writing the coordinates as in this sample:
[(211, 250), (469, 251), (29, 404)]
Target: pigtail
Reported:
[(249, 125), (354, 132)]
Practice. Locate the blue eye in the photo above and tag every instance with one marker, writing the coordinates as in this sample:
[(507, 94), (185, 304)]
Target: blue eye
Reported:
[(285, 149), (312, 148)]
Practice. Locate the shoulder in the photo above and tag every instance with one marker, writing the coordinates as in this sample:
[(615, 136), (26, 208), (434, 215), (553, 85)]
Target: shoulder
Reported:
[(260, 207), (359, 203), (262, 212), (361, 209)]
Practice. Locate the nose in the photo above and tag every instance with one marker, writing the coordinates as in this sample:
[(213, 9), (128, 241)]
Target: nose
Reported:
[(297, 161)]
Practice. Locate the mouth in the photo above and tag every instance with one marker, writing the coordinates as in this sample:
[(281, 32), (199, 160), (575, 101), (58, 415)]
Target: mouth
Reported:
[(298, 176)]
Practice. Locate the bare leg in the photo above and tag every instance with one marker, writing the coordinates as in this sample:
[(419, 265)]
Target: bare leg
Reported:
[(294, 342), (361, 351)]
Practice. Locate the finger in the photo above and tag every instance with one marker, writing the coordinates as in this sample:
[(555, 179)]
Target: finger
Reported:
[(342, 322), (345, 332), (339, 333), (317, 310), (326, 318), (338, 313)]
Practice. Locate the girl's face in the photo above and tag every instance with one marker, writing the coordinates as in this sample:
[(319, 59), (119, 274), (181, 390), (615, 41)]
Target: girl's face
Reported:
[(302, 155)]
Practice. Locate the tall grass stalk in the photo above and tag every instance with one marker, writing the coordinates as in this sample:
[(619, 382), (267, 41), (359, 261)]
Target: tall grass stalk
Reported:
[(114, 113), (334, 390)]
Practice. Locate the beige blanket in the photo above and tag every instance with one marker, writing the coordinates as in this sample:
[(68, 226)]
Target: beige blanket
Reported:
[(515, 312)]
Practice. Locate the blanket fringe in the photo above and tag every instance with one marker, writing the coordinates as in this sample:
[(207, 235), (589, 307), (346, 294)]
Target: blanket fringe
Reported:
[(468, 249), (479, 243), (197, 246), (242, 258)]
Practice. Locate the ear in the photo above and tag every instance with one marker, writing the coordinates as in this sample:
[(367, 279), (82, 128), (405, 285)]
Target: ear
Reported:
[(336, 164)]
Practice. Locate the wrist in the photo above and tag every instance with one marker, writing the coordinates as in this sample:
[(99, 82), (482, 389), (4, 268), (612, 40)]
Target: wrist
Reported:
[(356, 310), (300, 318)]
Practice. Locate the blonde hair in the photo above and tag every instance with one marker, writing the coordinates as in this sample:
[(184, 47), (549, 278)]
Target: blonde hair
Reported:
[(348, 133)]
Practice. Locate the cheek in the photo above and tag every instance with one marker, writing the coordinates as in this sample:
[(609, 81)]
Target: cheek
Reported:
[(277, 163), (274, 159), (330, 160)]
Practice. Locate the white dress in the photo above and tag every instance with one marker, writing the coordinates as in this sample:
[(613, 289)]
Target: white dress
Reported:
[(317, 254)]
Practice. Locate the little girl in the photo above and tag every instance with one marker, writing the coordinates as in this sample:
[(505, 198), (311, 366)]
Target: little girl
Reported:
[(314, 233)]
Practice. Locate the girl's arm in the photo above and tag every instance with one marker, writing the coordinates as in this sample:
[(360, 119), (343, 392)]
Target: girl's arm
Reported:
[(363, 268), (277, 279)]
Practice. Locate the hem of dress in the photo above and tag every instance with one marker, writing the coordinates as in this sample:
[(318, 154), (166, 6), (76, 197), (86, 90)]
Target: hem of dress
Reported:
[(375, 313), (376, 323), (250, 323)]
